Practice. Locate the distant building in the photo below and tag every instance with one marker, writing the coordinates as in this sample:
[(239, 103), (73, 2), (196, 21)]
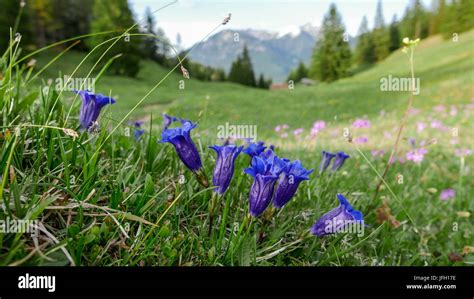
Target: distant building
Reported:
[(276, 86), (307, 81)]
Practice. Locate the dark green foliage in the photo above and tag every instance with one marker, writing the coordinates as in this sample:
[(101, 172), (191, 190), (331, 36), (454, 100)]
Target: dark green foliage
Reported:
[(394, 35), (158, 47), (365, 49), (299, 73), (218, 75), (379, 34), (13, 16), (72, 18), (437, 16), (263, 83), (55, 20), (241, 70), (332, 56), (197, 70), (415, 23), (116, 15), (457, 17)]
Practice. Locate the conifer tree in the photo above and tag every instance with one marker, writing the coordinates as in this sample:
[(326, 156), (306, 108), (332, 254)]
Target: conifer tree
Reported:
[(116, 15), (394, 35), (365, 51), (415, 22), (380, 34), (438, 8), (241, 70), (331, 56), (299, 73)]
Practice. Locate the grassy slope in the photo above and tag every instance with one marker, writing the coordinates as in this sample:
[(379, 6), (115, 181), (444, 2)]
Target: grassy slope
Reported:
[(445, 69)]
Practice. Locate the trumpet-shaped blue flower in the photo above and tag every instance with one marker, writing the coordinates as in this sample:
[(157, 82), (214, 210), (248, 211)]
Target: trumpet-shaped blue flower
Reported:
[(339, 160), (92, 104), (288, 183), (254, 149), (180, 138), (138, 129), (337, 219), (325, 161), (224, 168), (265, 170)]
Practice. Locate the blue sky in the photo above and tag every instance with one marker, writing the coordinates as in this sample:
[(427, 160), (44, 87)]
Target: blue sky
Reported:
[(193, 19)]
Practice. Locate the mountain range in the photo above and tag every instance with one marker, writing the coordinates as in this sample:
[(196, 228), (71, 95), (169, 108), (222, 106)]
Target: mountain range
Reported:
[(274, 55)]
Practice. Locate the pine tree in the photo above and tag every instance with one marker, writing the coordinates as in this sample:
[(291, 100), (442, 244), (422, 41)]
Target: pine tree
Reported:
[(235, 70), (438, 8), (299, 73), (380, 34), (365, 51), (71, 18), (420, 20), (394, 34), (150, 47), (116, 15), (268, 83), (164, 46), (458, 17), (450, 22), (415, 23), (331, 56), (261, 82), (241, 70), (466, 15), (247, 69), (155, 47)]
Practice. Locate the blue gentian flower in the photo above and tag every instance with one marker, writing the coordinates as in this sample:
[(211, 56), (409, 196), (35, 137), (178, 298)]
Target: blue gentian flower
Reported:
[(288, 183), (92, 104), (138, 130), (254, 149), (325, 161), (278, 164), (337, 219), (339, 161), (265, 170), (224, 168), (184, 145)]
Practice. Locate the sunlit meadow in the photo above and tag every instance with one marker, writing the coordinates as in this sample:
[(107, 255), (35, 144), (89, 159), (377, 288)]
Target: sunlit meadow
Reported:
[(107, 197)]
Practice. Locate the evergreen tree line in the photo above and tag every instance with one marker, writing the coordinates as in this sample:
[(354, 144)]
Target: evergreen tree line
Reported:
[(44, 22), (333, 59), (242, 72)]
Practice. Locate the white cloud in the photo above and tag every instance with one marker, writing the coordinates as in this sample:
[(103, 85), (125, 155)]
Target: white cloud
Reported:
[(191, 32)]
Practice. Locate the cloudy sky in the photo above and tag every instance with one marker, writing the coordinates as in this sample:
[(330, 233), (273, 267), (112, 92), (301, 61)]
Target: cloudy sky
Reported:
[(193, 19)]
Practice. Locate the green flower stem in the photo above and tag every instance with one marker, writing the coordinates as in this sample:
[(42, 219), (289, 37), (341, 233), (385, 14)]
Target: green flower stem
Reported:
[(212, 209), (201, 178)]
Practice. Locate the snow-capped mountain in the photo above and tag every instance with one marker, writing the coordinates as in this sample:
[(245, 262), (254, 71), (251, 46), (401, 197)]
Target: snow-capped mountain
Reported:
[(273, 54)]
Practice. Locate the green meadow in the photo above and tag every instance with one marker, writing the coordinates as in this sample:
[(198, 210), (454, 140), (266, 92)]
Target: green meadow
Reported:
[(107, 200)]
